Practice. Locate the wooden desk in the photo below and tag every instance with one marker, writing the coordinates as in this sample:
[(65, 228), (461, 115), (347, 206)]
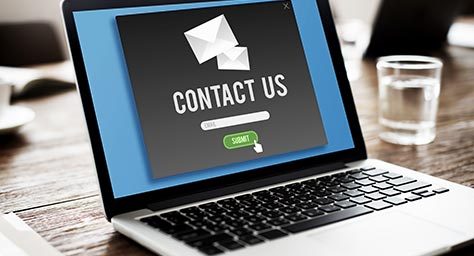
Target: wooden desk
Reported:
[(48, 179)]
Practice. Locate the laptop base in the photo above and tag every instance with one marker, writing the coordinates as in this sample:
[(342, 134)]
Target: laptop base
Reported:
[(431, 225)]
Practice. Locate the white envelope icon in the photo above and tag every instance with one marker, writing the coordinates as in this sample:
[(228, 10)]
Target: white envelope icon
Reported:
[(236, 58), (211, 38)]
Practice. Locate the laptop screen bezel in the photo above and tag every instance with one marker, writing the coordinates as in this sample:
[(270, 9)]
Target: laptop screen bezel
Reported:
[(200, 190)]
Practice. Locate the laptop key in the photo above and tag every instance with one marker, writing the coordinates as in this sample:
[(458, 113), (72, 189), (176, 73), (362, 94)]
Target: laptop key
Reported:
[(360, 200), (241, 231), (412, 186), (395, 200), (175, 217), (308, 205), (375, 196), (289, 201), (378, 205), (375, 172), (354, 171), (262, 193), (329, 208), (278, 222), (174, 229), (254, 219), (272, 206), (323, 201), (392, 175), (322, 192), (208, 240), (193, 234), (237, 214), (215, 210), (440, 190), (327, 219), (358, 176), (231, 207), (368, 168), (197, 215), (351, 185), (306, 197), (336, 189), (353, 193), (259, 226), (231, 245), (401, 181), (165, 226), (192, 209), (216, 218), (271, 214), (244, 197), (250, 239), (379, 178), (313, 213), (155, 221), (296, 217), (268, 198), (283, 193), (365, 182), (368, 189), (382, 185), (289, 210), (236, 223), (345, 204), (210, 250), (338, 197), (273, 234), (390, 192), (253, 210), (418, 192), (413, 198), (216, 228), (427, 194), (251, 202), (345, 179)]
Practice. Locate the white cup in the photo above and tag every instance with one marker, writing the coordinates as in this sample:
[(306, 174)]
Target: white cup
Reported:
[(5, 93)]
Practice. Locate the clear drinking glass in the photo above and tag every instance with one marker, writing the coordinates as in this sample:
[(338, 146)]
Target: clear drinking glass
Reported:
[(409, 88)]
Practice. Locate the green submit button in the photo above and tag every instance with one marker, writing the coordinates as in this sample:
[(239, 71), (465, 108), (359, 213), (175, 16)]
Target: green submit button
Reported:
[(239, 140)]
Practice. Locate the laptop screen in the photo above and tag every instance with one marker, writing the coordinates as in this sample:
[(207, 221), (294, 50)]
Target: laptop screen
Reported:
[(193, 91)]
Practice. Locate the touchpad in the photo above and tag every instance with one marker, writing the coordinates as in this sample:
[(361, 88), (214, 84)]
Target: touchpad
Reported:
[(393, 233)]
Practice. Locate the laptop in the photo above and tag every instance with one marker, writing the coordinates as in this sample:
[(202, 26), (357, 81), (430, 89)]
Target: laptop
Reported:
[(229, 128)]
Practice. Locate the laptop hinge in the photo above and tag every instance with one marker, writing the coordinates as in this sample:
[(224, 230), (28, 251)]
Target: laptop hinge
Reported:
[(235, 188)]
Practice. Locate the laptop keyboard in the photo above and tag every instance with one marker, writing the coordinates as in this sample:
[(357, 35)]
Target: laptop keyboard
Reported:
[(249, 219)]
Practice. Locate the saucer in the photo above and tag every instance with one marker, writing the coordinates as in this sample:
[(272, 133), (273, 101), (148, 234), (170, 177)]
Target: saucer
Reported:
[(14, 118)]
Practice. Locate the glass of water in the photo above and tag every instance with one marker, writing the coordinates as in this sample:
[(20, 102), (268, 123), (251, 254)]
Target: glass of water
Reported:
[(409, 88)]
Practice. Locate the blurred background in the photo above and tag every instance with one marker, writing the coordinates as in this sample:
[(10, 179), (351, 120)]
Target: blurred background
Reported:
[(34, 11), (49, 11), (355, 20)]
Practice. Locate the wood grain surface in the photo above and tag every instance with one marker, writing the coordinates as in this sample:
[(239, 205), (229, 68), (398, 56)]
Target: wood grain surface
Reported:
[(47, 174)]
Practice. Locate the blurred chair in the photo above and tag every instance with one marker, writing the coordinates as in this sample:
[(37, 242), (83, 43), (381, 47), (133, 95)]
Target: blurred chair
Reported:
[(23, 44)]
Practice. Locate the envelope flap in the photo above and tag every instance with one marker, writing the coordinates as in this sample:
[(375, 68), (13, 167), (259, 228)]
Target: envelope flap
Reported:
[(235, 52), (207, 31)]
